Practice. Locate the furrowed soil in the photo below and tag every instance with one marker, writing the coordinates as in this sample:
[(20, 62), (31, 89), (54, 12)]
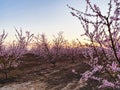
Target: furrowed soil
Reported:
[(39, 75)]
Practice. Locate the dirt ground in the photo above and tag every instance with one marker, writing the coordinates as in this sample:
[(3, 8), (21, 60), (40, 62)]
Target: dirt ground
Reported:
[(33, 75)]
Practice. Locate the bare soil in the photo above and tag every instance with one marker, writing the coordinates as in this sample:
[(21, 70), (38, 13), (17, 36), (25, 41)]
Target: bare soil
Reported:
[(34, 75)]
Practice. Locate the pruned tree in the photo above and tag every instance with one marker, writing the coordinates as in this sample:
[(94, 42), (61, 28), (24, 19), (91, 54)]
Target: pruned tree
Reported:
[(3, 52), (44, 48), (10, 56), (58, 44), (73, 51), (23, 40)]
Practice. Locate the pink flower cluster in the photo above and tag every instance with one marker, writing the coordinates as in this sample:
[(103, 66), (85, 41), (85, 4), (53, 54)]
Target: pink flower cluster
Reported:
[(103, 33)]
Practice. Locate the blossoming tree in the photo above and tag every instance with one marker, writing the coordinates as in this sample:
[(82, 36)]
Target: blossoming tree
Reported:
[(103, 31), (10, 56)]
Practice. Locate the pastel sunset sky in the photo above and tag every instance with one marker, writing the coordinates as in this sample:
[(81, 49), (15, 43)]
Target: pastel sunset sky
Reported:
[(42, 16)]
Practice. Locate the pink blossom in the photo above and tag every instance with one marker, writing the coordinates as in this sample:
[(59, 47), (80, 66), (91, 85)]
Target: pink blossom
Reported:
[(114, 67), (118, 76), (118, 54), (106, 83)]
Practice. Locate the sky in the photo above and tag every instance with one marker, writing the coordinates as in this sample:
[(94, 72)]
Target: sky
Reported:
[(41, 16)]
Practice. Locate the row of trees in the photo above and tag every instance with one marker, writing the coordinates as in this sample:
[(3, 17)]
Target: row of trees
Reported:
[(102, 54), (59, 49)]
